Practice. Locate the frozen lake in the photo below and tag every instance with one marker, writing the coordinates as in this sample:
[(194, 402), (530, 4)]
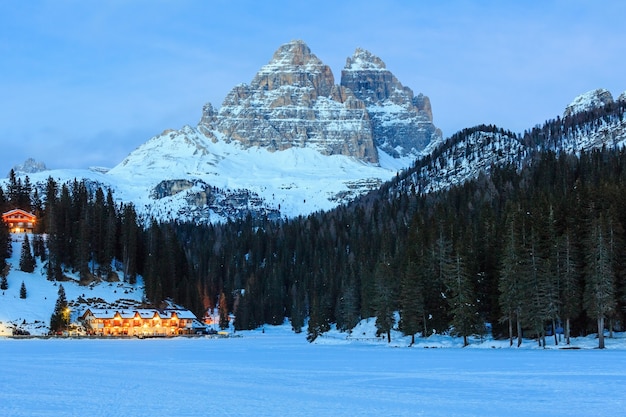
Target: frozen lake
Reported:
[(282, 374)]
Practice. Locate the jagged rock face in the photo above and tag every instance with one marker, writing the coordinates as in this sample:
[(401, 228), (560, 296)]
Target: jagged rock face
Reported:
[(30, 166), (168, 188), (588, 101), (622, 97), (293, 102), (402, 123)]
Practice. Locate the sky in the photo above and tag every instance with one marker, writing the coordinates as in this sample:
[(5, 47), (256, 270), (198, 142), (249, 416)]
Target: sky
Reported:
[(85, 83)]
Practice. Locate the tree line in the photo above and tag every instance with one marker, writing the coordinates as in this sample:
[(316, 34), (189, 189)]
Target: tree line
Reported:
[(528, 251)]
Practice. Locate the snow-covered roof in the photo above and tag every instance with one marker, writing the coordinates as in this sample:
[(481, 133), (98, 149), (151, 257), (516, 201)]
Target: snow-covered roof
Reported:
[(18, 211), (101, 313)]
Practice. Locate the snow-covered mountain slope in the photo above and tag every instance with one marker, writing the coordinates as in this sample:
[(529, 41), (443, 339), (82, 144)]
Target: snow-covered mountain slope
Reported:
[(290, 143), (463, 157), (467, 154), (32, 314), (185, 175)]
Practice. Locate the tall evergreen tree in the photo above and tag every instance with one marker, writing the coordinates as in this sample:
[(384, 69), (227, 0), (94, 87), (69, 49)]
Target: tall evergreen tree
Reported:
[(130, 243), (465, 318), (569, 277), (60, 318), (412, 305), (39, 247), (23, 292), (599, 294), (384, 306), (348, 305), (509, 284), (5, 245), (27, 262)]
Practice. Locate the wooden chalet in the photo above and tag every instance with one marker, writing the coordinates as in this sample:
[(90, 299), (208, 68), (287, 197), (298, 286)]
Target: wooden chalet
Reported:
[(140, 322), (19, 221)]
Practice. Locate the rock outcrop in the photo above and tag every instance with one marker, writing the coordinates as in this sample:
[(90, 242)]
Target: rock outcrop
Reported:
[(30, 166), (293, 102), (292, 142), (588, 101), (402, 123)]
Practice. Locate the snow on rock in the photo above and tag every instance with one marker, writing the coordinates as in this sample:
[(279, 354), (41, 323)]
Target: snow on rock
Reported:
[(224, 178), (290, 143), (293, 102), (588, 101), (402, 123), (30, 166)]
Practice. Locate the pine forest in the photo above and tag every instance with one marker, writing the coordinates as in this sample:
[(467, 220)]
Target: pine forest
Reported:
[(522, 250)]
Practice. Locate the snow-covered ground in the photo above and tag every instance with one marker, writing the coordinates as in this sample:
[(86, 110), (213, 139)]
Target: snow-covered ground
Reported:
[(276, 372), (32, 314)]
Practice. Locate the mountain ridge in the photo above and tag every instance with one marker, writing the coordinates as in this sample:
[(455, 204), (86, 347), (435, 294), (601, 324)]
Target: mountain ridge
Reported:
[(290, 143), (293, 142)]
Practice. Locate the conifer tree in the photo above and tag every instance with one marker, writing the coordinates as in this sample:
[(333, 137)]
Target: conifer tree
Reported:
[(83, 242), (412, 306), (129, 244), (39, 247), (23, 291), (223, 311), (298, 310), (599, 294), (4, 283), (535, 295), (3, 201), (569, 277), (509, 284), (27, 262), (60, 318), (110, 235), (5, 245), (347, 308), (50, 201), (384, 300), (465, 318)]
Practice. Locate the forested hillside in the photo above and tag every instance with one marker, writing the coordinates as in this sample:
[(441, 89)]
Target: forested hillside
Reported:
[(527, 244), (527, 248)]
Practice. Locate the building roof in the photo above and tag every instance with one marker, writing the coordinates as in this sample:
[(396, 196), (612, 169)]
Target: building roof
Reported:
[(144, 313), (18, 211)]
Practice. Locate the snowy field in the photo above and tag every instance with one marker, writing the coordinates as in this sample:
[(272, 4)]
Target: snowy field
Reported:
[(278, 373), (275, 372)]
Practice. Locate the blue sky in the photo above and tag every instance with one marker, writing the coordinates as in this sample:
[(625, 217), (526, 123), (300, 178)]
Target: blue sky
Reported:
[(84, 83)]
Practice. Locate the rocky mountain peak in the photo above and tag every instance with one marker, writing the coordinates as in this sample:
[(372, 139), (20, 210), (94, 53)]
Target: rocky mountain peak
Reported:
[(588, 101), (296, 53), (30, 166), (293, 64), (363, 59), (402, 123), (293, 102)]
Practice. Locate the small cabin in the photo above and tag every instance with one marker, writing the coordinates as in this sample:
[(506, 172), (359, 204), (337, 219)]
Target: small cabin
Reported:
[(19, 221)]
